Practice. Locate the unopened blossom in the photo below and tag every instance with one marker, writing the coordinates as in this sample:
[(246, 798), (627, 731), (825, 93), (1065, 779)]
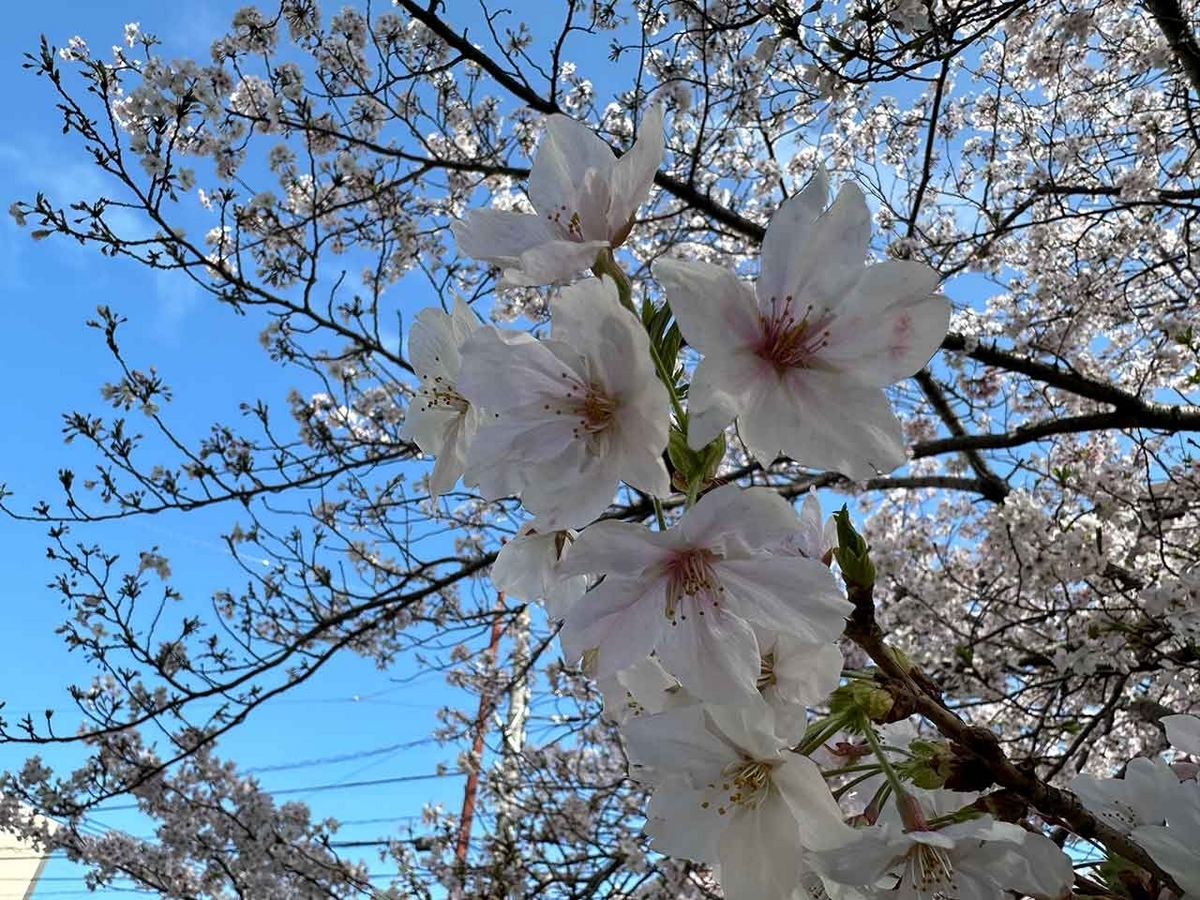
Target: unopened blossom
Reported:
[(728, 791), (585, 200), (569, 418), (439, 420), (529, 567), (862, 793), (695, 593), (977, 860), (801, 359)]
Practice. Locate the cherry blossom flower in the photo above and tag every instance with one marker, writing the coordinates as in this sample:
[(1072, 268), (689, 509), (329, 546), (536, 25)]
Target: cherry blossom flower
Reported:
[(569, 418), (803, 368), (1154, 806), (1141, 797), (529, 567), (794, 675), (585, 198), (727, 791), (439, 420), (692, 594), (815, 539), (642, 689), (977, 860)]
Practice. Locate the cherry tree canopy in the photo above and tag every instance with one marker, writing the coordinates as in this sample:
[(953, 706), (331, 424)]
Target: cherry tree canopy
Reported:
[(1022, 574)]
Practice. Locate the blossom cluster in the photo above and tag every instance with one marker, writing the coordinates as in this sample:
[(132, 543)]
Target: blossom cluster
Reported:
[(712, 637), (1071, 580)]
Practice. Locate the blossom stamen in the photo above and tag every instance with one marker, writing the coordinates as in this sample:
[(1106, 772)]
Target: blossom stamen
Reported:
[(690, 574), (749, 782), (437, 393), (766, 674), (930, 868), (788, 342)]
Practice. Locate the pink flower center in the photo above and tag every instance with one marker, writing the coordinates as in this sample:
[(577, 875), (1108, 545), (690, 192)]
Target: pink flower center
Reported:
[(788, 342), (690, 574)]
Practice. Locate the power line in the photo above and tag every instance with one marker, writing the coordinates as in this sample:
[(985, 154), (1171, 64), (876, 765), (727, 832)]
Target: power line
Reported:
[(333, 760), (317, 788)]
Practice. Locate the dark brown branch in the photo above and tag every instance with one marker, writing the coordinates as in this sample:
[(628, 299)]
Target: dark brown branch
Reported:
[(994, 487), (1148, 414), (1035, 431), (1173, 24), (676, 187), (862, 628)]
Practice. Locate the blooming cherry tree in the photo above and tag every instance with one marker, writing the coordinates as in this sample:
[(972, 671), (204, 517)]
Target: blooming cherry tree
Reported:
[(1019, 602)]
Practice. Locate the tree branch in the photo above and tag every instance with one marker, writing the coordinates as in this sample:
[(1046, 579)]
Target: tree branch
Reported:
[(862, 628)]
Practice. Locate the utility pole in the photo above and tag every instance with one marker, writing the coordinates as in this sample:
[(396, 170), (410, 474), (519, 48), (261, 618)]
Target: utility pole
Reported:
[(509, 769), (471, 789)]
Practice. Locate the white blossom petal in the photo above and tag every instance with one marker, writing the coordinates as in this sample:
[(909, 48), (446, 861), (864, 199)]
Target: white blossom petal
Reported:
[(714, 308), (713, 402), (616, 546), (634, 172), (678, 744), (757, 516), (676, 829), (1176, 851), (552, 262), (818, 817), (714, 654), (1184, 733), (759, 852), (830, 261), (787, 233), (622, 621), (500, 236), (892, 325), (793, 596), (848, 428), (439, 419), (1033, 865), (570, 158), (644, 688)]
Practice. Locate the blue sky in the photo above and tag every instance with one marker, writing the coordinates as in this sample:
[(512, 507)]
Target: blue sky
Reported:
[(213, 360)]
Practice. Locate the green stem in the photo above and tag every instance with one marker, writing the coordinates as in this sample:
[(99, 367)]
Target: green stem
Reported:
[(892, 776), (606, 264), (846, 770), (818, 733), (839, 792), (658, 514)]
